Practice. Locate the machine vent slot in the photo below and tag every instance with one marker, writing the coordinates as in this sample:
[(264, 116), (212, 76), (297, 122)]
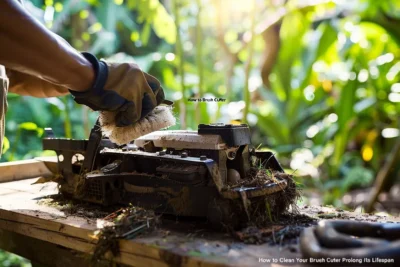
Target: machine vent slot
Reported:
[(95, 189)]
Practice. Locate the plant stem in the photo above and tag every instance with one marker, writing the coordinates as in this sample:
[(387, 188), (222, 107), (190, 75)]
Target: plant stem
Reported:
[(14, 148), (246, 92), (181, 71), (67, 118), (383, 176), (85, 121), (230, 58), (199, 57)]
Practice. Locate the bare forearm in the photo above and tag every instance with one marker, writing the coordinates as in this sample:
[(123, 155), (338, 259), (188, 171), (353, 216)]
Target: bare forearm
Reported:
[(28, 47), (27, 85)]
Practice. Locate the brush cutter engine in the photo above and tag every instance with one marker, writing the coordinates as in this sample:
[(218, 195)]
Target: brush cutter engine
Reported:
[(186, 173)]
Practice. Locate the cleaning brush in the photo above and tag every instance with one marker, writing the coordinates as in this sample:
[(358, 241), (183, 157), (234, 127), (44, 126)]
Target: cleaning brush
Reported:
[(161, 117)]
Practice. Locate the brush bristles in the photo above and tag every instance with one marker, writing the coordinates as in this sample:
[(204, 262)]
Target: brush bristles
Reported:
[(161, 117)]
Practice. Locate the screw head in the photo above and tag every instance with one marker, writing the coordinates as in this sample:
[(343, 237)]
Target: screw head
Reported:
[(202, 157), (184, 155)]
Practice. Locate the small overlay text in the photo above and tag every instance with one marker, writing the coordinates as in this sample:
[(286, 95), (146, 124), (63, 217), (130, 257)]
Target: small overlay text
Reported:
[(352, 261), (207, 99)]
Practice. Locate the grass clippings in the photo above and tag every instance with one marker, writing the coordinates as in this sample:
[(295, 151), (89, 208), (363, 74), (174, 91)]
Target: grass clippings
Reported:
[(267, 215), (72, 207), (119, 223), (268, 208), (125, 223)]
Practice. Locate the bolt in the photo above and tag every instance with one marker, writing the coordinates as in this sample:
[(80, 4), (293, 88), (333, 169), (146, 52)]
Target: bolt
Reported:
[(203, 157), (232, 154), (184, 155), (161, 153)]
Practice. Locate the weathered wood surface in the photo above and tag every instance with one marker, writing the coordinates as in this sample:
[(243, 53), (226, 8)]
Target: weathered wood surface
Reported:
[(14, 171), (42, 253), (20, 213), (173, 244)]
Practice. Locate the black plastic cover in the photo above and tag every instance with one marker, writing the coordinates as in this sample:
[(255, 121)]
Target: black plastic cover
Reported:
[(233, 135)]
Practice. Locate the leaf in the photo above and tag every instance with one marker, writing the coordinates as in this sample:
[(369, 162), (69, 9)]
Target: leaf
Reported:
[(169, 79), (145, 35), (345, 112), (345, 104), (126, 18), (105, 42), (38, 111), (357, 176), (132, 4), (6, 144), (364, 104), (204, 116), (164, 26), (272, 128), (323, 38), (29, 126), (103, 14), (293, 28)]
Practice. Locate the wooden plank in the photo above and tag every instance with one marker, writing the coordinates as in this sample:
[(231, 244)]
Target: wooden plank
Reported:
[(20, 213), (24, 169), (44, 253), (79, 239)]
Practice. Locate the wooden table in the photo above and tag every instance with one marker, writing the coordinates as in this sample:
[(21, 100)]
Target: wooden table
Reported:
[(48, 237)]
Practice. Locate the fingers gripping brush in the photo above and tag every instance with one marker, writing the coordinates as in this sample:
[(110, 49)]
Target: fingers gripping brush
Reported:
[(159, 118), (129, 100)]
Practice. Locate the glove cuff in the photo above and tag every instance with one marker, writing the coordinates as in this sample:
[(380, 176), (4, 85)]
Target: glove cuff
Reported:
[(101, 74)]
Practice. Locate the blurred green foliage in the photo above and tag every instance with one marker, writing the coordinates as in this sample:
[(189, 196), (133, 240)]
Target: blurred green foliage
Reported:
[(12, 260), (325, 97)]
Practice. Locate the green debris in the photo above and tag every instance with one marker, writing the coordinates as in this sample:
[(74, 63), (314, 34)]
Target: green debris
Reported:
[(125, 223)]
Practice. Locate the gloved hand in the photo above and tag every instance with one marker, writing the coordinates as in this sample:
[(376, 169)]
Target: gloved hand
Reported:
[(122, 88)]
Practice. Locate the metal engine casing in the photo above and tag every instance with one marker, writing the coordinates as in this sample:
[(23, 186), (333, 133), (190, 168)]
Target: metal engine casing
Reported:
[(175, 172)]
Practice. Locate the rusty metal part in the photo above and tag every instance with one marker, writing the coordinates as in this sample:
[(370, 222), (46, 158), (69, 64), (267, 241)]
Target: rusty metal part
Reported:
[(351, 239), (255, 191), (231, 152)]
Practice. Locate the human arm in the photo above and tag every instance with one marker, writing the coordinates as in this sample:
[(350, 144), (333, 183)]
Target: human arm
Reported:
[(28, 85), (28, 47)]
